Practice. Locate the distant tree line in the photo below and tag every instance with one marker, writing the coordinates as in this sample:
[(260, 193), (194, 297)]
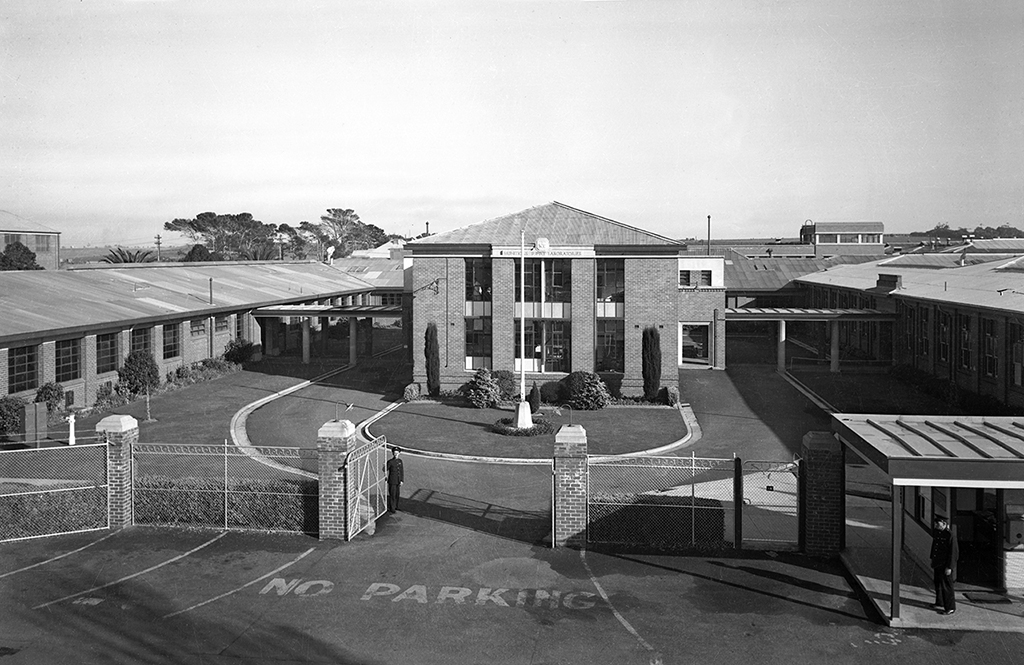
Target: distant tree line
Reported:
[(978, 232)]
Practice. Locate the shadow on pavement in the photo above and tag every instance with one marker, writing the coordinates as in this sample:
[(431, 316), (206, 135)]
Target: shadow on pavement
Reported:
[(531, 527)]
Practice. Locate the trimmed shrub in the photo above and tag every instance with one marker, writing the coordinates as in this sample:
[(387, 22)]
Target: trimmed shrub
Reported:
[(534, 398), (650, 356), (411, 392), (11, 408), (53, 394), (552, 392), (108, 397), (239, 351), (507, 427), (508, 384), (673, 395), (433, 358), (482, 390), (586, 391), (138, 374)]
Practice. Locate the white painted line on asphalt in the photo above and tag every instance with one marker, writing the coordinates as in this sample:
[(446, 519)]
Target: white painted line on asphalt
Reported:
[(60, 556), (258, 579), (133, 575), (625, 624)]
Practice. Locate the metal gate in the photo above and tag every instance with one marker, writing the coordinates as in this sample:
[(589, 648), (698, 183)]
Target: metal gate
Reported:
[(660, 502), (256, 488), (50, 491), (771, 504), (366, 466)]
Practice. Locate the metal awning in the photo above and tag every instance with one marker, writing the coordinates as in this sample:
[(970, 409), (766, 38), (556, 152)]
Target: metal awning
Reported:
[(944, 451), (329, 310), (805, 314)]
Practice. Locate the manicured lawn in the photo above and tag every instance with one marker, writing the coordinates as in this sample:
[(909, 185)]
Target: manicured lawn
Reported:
[(467, 431)]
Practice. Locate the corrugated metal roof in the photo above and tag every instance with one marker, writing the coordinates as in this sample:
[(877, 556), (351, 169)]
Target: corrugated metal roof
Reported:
[(383, 273), (36, 301), (746, 274), (996, 284), (966, 448), (1007, 245), (559, 223)]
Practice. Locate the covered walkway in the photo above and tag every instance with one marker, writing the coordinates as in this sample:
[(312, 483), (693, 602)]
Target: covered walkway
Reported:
[(783, 314), (323, 313)]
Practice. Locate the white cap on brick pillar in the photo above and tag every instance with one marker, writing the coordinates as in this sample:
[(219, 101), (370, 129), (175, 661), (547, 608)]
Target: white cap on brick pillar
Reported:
[(117, 424), (336, 429)]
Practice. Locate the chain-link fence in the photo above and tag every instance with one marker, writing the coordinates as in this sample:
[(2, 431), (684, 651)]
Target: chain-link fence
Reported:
[(257, 488), (771, 504), (48, 491), (661, 502)]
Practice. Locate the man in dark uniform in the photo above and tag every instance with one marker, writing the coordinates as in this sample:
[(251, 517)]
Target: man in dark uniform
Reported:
[(945, 552), (396, 476)]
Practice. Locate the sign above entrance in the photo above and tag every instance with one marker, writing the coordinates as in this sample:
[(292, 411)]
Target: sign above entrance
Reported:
[(542, 248)]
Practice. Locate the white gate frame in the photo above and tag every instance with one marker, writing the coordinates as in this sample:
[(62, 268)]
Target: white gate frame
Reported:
[(368, 487)]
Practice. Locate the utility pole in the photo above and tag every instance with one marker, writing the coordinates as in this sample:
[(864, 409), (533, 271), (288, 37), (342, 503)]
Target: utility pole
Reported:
[(158, 260)]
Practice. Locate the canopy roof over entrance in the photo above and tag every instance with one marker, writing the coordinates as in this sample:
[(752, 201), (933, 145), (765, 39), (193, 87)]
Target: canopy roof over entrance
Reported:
[(945, 451), (805, 314)]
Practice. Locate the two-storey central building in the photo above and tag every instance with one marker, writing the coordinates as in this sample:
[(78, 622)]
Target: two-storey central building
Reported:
[(587, 286)]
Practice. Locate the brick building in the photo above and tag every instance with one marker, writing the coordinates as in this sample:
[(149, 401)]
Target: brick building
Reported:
[(592, 286), (43, 241)]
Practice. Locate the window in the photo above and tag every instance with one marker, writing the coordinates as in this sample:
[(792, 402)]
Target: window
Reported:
[(989, 341), (610, 354), (547, 346), (924, 342), (220, 323), (478, 280), (944, 328), (11, 238), (684, 278), (172, 340), (142, 340), (705, 278), (1015, 333), (871, 238), (107, 353), (68, 363), (611, 280), (964, 338), (693, 343), (532, 281), (909, 329), (42, 243), (849, 238), (557, 280), (391, 298), (478, 343), (22, 369), (240, 325), (827, 238), (197, 327)]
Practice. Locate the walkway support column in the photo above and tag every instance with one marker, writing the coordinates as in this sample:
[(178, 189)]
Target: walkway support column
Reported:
[(334, 440), (305, 340), (120, 432), (780, 348), (352, 334), (569, 509), (833, 364)]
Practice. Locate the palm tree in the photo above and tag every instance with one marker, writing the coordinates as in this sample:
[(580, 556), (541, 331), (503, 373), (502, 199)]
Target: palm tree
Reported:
[(121, 255)]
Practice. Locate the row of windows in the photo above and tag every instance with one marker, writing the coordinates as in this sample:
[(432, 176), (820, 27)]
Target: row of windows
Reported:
[(546, 280), (23, 362), (38, 243), (548, 345), (694, 278), (849, 238)]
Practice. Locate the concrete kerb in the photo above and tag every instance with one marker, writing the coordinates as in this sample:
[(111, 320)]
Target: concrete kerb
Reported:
[(693, 433)]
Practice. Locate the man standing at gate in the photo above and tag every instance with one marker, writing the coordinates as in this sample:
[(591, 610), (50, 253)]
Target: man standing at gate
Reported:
[(944, 554), (396, 476)]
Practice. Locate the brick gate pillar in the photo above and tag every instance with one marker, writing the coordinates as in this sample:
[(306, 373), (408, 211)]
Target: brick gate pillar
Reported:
[(822, 502), (120, 432), (334, 441), (570, 487)]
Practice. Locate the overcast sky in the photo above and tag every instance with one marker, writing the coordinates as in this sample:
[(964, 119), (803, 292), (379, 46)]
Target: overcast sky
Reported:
[(117, 116)]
